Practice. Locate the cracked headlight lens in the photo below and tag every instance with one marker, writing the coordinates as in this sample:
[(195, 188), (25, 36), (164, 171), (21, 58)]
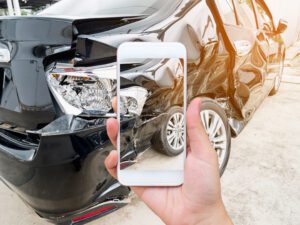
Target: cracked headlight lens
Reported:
[(132, 100), (83, 92)]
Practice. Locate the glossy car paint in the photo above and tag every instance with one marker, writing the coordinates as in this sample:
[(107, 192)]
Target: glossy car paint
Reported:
[(55, 162), (63, 172)]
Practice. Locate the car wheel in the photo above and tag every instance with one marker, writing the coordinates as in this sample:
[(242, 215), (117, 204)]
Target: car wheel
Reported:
[(278, 78), (216, 125), (170, 139)]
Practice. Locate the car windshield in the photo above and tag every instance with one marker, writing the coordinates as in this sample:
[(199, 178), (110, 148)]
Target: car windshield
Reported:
[(95, 8)]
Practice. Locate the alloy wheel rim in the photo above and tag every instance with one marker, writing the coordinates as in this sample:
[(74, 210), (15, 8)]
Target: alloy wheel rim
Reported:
[(216, 130), (175, 131)]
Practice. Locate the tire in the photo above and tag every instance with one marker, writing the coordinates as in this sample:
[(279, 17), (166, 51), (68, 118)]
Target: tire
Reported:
[(278, 78), (217, 127), (161, 140)]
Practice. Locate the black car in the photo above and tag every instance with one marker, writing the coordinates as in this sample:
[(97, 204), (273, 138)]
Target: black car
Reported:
[(58, 72)]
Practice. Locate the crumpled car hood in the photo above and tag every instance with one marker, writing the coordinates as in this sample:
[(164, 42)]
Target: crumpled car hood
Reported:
[(59, 30)]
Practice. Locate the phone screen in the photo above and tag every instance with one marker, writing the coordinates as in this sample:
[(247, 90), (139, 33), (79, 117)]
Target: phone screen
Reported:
[(151, 112)]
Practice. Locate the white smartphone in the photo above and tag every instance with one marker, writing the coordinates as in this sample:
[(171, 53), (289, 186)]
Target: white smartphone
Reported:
[(152, 101)]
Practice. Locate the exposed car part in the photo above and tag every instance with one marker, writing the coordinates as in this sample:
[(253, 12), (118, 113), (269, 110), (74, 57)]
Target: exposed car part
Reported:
[(133, 100), (34, 44), (170, 138), (216, 125), (82, 91)]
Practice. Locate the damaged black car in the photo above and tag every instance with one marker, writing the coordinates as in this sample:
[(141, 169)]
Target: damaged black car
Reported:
[(58, 78), (151, 108)]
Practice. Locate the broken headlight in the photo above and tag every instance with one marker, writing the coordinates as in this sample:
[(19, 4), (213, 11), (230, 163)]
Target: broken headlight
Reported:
[(132, 100), (82, 92)]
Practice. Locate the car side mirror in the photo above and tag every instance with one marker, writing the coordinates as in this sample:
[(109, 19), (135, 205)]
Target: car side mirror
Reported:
[(282, 26)]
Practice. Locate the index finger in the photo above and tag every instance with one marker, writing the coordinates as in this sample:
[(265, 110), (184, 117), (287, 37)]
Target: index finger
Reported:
[(115, 104), (112, 127)]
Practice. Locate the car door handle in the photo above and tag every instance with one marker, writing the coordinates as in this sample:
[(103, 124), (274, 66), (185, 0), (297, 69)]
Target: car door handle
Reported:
[(243, 47)]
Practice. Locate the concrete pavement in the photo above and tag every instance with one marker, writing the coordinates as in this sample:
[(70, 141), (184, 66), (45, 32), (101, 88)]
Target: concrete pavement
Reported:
[(261, 185)]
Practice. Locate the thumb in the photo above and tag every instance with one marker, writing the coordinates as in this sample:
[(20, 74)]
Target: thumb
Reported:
[(198, 140)]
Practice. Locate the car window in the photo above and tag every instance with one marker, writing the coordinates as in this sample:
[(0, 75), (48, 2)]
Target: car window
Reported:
[(227, 12), (246, 13), (264, 20)]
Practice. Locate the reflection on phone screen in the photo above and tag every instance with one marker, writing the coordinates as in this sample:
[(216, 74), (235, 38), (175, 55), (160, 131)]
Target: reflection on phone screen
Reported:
[(152, 120)]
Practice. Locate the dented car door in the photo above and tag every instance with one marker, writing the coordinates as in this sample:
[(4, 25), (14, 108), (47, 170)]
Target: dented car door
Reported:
[(250, 54)]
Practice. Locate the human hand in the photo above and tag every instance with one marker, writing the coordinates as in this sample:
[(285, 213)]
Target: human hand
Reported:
[(198, 200)]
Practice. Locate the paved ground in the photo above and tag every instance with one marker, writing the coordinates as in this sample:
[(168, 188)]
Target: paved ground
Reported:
[(260, 186), (151, 160)]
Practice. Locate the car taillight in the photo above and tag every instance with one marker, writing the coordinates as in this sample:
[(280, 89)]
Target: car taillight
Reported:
[(89, 215), (124, 165)]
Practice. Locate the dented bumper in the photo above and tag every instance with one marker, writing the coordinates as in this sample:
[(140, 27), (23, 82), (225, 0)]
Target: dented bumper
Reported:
[(62, 170)]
